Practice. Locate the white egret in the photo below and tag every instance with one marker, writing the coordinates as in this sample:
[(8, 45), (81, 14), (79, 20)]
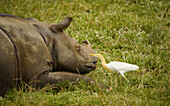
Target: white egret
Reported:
[(119, 67)]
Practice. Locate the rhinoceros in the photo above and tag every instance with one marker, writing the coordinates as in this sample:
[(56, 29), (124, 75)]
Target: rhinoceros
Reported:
[(33, 51)]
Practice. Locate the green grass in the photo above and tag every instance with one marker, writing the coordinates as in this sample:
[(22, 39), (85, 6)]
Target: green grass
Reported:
[(133, 31)]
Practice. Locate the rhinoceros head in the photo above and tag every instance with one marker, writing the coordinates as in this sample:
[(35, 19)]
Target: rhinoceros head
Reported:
[(67, 53)]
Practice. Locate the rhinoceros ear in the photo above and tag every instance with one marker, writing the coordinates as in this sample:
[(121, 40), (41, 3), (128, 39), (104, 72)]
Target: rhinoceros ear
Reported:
[(61, 25)]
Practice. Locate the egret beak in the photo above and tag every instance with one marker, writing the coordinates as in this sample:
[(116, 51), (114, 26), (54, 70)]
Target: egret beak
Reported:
[(92, 54)]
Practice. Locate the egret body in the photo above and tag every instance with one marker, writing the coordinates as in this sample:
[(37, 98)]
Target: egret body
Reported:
[(119, 67)]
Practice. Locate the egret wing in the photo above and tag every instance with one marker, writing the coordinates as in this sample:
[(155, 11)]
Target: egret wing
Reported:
[(122, 66), (115, 66), (109, 65)]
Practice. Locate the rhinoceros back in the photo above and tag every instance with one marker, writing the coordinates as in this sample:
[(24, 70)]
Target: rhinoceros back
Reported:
[(23, 52)]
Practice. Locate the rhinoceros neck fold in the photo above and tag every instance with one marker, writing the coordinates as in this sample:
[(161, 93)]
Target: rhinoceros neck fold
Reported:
[(42, 35), (50, 42)]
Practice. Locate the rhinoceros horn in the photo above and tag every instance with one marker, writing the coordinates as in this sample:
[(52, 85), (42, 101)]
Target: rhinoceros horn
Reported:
[(61, 25), (87, 43)]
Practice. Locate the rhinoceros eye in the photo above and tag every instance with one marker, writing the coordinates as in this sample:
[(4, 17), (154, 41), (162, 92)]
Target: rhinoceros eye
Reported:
[(78, 48)]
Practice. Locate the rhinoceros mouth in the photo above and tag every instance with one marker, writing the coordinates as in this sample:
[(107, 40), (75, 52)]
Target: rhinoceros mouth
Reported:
[(91, 66)]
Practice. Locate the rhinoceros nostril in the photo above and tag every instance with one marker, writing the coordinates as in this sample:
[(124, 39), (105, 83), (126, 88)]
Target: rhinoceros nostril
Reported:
[(95, 62)]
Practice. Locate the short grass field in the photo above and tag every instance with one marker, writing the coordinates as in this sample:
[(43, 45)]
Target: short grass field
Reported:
[(132, 31)]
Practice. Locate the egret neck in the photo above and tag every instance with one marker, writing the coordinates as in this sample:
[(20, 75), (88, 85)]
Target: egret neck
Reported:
[(104, 63)]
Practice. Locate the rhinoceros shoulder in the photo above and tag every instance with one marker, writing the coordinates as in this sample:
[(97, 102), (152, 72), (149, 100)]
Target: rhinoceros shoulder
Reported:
[(33, 53)]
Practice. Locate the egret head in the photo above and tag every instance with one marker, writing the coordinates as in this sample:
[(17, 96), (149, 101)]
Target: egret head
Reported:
[(98, 56)]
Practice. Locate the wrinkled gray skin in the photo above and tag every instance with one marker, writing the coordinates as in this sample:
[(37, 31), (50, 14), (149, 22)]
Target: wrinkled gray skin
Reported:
[(40, 53)]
